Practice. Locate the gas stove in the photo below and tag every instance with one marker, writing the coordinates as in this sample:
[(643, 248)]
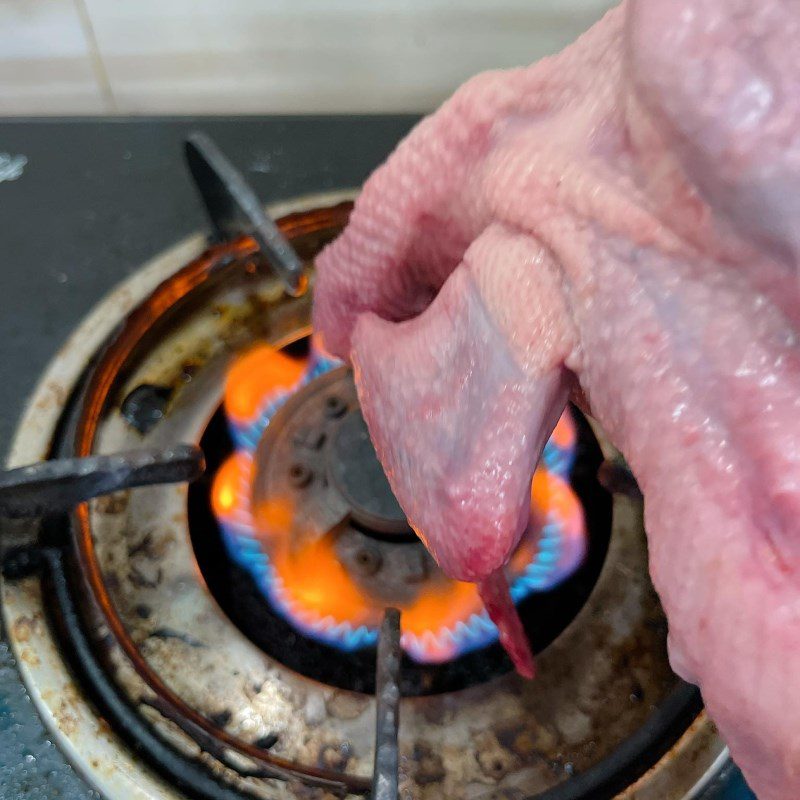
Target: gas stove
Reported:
[(210, 590)]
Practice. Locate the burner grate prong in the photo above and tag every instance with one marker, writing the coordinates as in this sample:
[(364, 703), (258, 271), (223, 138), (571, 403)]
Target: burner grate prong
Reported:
[(51, 487), (387, 684), (234, 209)]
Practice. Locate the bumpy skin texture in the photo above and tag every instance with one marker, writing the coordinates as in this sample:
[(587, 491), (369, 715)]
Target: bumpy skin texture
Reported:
[(621, 221)]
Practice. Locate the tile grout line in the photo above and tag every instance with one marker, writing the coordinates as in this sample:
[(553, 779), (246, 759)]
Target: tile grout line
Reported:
[(98, 67)]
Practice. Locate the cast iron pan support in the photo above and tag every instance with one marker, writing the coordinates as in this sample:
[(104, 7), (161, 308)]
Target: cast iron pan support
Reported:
[(53, 487), (387, 691), (234, 209)]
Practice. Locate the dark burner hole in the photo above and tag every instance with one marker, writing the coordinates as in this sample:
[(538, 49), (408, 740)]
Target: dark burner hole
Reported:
[(267, 742), (545, 615), (335, 406), (300, 475), (144, 407)]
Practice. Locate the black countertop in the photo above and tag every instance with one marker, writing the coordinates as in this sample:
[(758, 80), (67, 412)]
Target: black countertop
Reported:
[(97, 199)]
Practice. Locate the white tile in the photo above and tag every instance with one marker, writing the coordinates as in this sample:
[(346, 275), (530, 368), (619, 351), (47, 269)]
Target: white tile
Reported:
[(40, 27), (265, 56), (53, 97), (45, 61)]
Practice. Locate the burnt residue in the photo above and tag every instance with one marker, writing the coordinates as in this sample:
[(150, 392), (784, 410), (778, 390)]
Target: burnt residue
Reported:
[(267, 742), (426, 764), (519, 739), (144, 569), (335, 757), (145, 576), (139, 341), (186, 774), (115, 503), (168, 633), (221, 718), (21, 561), (144, 546), (494, 761)]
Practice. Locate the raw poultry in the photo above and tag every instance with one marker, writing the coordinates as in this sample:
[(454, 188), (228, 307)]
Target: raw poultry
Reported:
[(617, 222)]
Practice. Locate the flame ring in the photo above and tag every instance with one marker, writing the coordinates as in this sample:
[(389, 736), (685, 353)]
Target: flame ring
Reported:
[(561, 545)]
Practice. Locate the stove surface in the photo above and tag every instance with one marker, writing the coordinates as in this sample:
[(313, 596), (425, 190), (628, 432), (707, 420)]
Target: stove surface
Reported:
[(94, 201)]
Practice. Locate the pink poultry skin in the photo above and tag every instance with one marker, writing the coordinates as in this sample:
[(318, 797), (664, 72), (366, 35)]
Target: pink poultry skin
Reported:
[(620, 220)]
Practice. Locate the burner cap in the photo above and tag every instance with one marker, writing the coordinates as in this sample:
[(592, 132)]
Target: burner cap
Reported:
[(354, 469)]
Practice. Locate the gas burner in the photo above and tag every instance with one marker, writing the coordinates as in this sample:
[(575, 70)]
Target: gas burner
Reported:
[(306, 508), (181, 679)]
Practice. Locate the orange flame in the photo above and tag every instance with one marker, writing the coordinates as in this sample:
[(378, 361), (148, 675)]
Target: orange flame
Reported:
[(231, 478), (316, 584), (553, 495), (313, 583), (255, 375), (564, 435)]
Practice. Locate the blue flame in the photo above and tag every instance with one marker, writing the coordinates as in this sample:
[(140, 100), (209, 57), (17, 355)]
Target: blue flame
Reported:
[(553, 562)]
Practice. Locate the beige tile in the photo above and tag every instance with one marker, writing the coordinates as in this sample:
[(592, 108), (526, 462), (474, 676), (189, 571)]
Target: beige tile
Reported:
[(45, 61), (49, 85), (263, 56)]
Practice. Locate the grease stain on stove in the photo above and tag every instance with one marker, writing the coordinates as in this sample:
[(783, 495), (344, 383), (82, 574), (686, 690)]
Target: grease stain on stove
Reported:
[(66, 707), (26, 626), (335, 756), (524, 739), (424, 764), (54, 395), (495, 761), (115, 503), (29, 656), (65, 719), (347, 705)]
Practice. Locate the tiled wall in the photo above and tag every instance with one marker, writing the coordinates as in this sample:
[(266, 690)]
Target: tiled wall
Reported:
[(262, 56)]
